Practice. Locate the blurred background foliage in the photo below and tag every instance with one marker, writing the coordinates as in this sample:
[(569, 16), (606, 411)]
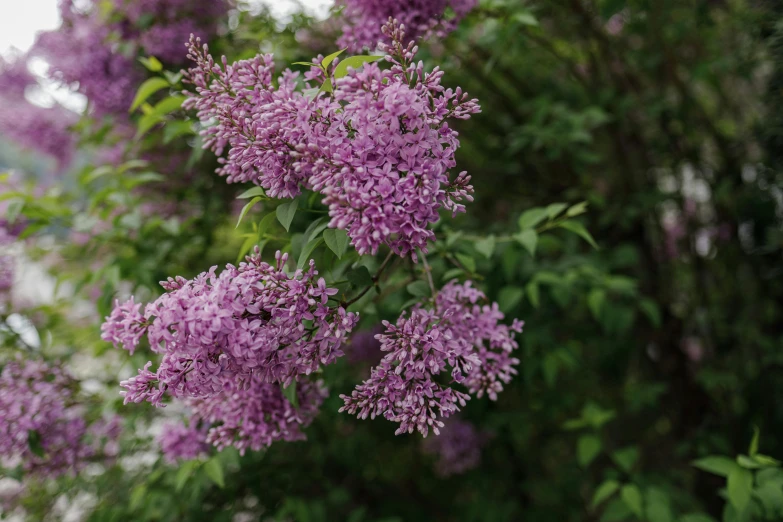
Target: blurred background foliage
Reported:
[(660, 349)]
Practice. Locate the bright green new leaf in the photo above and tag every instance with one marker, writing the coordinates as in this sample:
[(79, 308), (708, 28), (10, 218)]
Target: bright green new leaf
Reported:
[(353, 62), (246, 246), (587, 449), (137, 497), (246, 209), (251, 193), (525, 18), (528, 239), (531, 218), (716, 465), (286, 212), (151, 63), (147, 122), (604, 491), (337, 241), (578, 209), (175, 129), (754, 442), (327, 61), (632, 498), (486, 246), (147, 89), (739, 487), (214, 470), (554, 210), (579, 229)]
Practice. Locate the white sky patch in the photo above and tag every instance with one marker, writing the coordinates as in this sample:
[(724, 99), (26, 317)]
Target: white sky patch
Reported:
[(22, 20)]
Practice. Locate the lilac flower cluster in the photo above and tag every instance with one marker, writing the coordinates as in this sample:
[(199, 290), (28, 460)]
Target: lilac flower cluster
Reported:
[(40, 423), (379, 148), (219, 332), (457, 333), (185, 442), (458, 448), (42, 129), (363, 18)]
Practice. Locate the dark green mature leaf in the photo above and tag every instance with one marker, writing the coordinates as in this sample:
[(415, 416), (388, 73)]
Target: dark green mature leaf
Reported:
[(531, 218), (587, 449), (214, 470), (246, 209), (579, 229), (184, 473), (466, 261), (632, 498), (486, 246), (289, 392), (509, 297), (304, 257), (337, 241), (528, 239), (717, 465), (147, 89), (626, 458), (286, 213), (360, 277), (353, 62), (34, 442), (604, 491), (418, 289)]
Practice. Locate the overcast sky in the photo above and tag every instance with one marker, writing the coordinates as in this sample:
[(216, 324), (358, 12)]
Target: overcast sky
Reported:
[(20, 20)]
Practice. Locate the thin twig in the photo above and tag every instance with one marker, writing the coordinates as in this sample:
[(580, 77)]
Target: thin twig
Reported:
[(375, 280)]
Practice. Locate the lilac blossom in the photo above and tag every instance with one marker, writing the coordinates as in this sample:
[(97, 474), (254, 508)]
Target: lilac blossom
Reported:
[(379, 148), (185, 442), (458, 334), (42, 425), (458, 448), (256, 414), (219, 332), (363, 18)]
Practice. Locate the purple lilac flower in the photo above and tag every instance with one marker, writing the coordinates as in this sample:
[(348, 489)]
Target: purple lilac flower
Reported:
[(363, 18), (40, 422), (219, 332), (255, 414), (379, 148), (458, 448), (458, 335), (185, 442)]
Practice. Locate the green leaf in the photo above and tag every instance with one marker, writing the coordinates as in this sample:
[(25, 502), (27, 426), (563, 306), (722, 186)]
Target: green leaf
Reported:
[(466, 261), (576, 210), (246, 209), (137, 497), (754, 442), (696, 517), (626, 458), (658, 506), (147, 89), (525, 18), (251, 193), (528, 239), (329, 59), (739, 486), (554, 210), (579, 229), (604, 491), (716, 465), (418, 289), (168, 105), (533, 294), (531, 218), (289, 392), (632, 498), (337, 241), (266, 222), (486, 246), (354, 62), (304, 257), (595, 302), (315, 228), (146, 123), (765, 461), (151, 63), (651, 310), (309, 64), (184, 473), (286, 213), (360, 277), (453, 273), (214, 470), (175, 129), (509, 297), (34, 442), (326, 86), (748, 463), (246, 246), (587, 449)]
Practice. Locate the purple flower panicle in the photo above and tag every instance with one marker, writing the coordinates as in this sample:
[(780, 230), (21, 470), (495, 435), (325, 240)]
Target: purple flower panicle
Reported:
[(457, 335), (179, 441), (458, 448)]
